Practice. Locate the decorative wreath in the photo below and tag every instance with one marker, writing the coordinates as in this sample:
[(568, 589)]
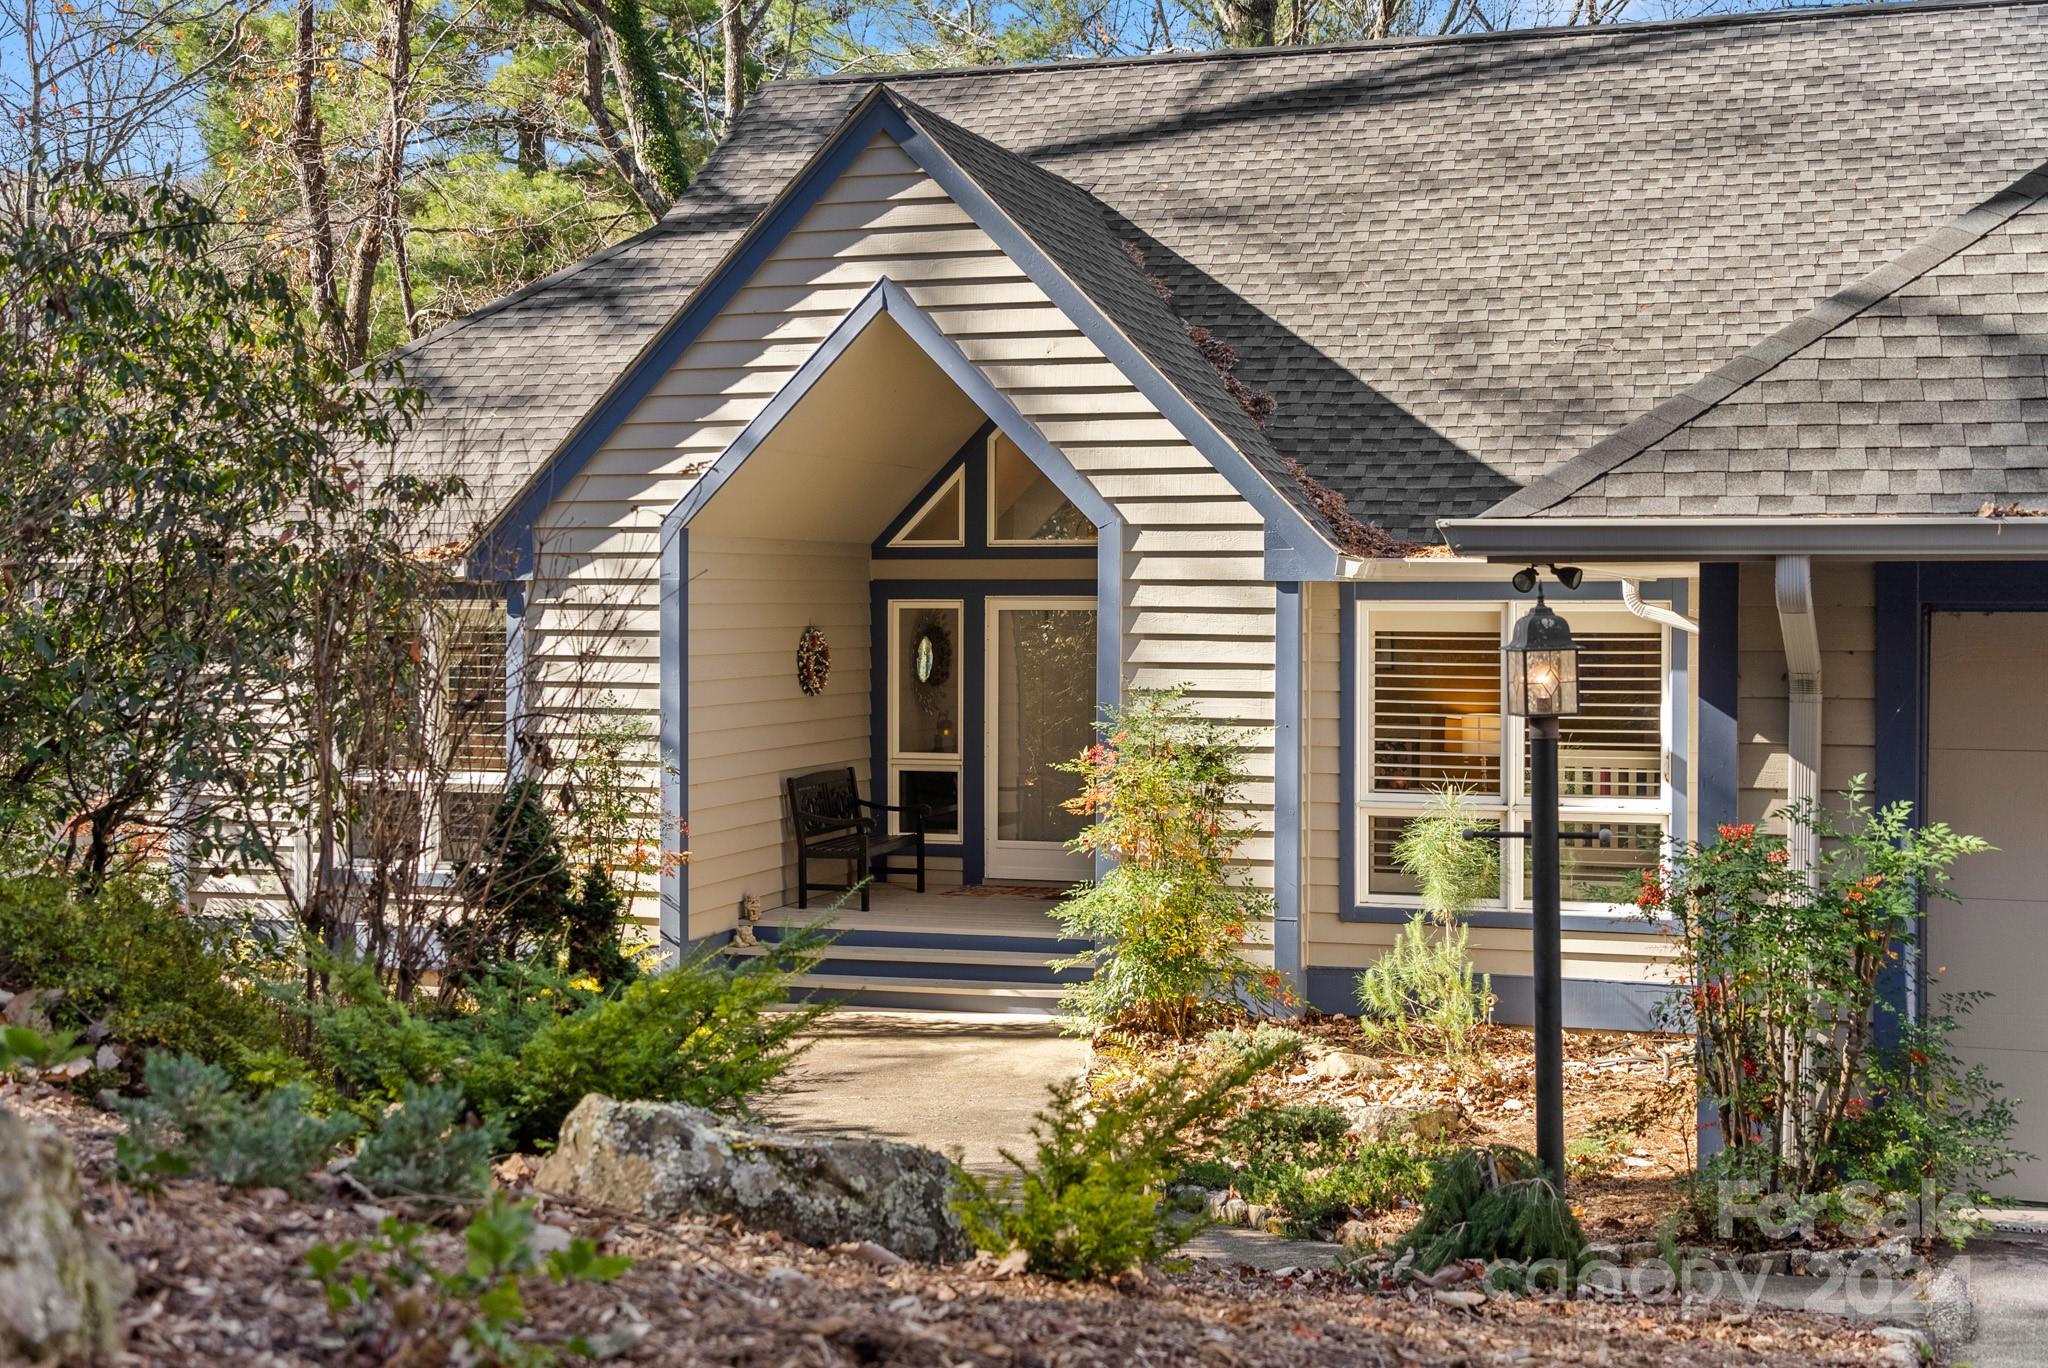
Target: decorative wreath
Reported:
[(931, 664), (813, 661)]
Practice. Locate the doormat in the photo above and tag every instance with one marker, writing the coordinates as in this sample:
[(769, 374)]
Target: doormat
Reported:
[(1047, 891)]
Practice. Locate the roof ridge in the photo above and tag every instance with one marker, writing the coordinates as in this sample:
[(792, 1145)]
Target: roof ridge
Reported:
[(1943, 244), (1554, 32)]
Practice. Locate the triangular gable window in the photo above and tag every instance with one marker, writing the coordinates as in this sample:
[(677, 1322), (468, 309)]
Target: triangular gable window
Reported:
[(943, 519), (1024, 507)]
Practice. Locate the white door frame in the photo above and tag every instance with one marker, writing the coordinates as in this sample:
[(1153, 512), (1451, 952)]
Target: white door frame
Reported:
[(1023, 860)]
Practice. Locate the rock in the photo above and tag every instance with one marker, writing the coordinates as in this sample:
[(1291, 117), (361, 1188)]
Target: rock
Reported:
[(1233, 1211), (1903, 1345), (1382, 1120), (1355, 1235), (1466, 1298), (868, 1252), (60, 1289), (660, 1160), (1344, 1064), (1255, 1216)]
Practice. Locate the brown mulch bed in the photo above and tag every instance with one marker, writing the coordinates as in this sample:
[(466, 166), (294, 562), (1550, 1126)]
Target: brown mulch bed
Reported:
[(219, 1280), (1630, 1092)]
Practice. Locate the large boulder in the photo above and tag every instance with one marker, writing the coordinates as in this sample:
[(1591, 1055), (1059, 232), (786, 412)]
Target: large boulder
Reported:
[(661, 1160), (60, 1289)]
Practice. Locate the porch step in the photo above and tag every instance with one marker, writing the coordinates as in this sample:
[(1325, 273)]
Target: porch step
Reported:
[(1024, 969), (1038, 937), (929, 994)]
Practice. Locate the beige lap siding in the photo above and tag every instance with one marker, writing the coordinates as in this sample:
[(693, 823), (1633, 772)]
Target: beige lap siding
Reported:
[(1844, 594), (1196, 610)]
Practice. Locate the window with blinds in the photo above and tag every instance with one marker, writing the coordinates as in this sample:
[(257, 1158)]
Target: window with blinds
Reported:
[(473, 663), (1432, 719)]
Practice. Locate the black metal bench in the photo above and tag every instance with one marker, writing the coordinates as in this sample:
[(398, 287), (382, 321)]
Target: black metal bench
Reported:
[(833, 822)]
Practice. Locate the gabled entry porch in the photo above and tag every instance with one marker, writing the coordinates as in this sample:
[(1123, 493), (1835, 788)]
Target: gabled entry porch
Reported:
[(888, 570)]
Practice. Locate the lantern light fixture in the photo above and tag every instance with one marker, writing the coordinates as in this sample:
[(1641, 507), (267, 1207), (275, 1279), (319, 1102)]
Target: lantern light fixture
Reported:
[(1540, 665)]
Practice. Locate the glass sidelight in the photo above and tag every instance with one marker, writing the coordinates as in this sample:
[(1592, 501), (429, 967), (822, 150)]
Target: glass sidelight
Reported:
[(924, 711)]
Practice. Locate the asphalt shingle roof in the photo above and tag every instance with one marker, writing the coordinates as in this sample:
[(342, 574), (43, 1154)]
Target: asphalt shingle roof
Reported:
[(1456, 264), (1920, 390)]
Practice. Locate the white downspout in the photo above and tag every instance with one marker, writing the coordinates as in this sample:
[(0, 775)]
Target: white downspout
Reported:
[(1632, 599), (1801, 630)]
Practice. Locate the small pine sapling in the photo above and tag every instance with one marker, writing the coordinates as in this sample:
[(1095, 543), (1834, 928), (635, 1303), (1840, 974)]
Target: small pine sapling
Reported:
[(1494, 1205), (1426, 976), (192, 1120)]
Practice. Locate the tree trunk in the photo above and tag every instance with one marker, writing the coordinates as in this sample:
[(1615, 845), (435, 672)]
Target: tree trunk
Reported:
[(309, 154), (395, 45)]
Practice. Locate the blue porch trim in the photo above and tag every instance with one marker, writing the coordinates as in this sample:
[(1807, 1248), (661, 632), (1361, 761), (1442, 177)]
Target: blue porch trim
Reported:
[(1720, 735), (1288, 644), (1908, 593), (1589, 1004), (1350, 907), (674, 557), (1295, 549)]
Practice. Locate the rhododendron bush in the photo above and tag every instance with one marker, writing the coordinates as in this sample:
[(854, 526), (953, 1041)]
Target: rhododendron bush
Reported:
[(1785, 970), (1171, 913)]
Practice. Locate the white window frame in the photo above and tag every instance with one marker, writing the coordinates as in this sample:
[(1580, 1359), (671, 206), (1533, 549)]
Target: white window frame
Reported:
[(989, 468), (954, 488), (1509, 807), (899, 759)]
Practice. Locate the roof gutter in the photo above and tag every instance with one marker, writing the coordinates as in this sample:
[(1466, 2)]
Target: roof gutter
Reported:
[(1668, 539)]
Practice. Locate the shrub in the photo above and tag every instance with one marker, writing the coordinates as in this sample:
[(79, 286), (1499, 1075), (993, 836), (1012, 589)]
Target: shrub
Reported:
[(26, 1050), (1304, 1162), (1171, 915), (1494, 1204), (1785, 974), (524, 1045), (192, 1120), (398, 1307), (1279, 1043), (423, 1151), (1929, 1125), (1427, 975), (127, 957), (1089, 1202)]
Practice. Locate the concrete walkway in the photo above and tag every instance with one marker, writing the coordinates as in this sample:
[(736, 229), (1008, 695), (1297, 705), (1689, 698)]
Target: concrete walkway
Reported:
[(2008, 1275), (966, 1085)]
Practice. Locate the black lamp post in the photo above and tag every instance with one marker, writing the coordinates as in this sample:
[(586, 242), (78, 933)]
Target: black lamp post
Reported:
[(1540, 681)]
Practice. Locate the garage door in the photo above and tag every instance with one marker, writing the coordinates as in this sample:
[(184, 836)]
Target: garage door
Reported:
[(1987, 774)]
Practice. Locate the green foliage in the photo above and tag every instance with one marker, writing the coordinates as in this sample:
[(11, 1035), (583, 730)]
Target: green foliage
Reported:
[(1088, 1204), (169, 432), (524, 1044), (1927, 1123), (1785, 977), (193, 1120), (1279, 1043), (422, 1150), (1427, 977), (1452, 870), (524, 901), (27, 1050), (387, 1294), (1170, 916), (124, 955), (1303, 1162), (1494, 1204)]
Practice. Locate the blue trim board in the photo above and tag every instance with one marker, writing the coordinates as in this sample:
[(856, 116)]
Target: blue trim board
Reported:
[(506, 548), (1908, 593), (1720, 772), (1350, 909), (1589, 1004), (1288, 644), (675, 742)]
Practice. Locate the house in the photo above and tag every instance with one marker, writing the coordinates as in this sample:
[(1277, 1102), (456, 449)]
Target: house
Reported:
[(1257, 374)]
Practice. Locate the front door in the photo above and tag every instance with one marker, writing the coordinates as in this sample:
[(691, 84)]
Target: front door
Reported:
[(1040, 714)]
